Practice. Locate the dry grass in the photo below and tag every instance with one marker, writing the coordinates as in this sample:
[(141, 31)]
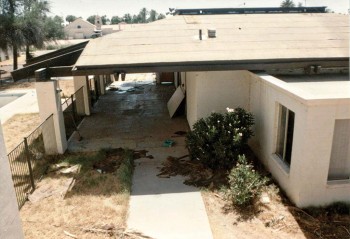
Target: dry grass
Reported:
[(18, 127), (96, 207)]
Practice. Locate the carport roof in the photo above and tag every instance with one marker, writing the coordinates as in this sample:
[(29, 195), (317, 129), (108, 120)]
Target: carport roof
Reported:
[(254, 39)]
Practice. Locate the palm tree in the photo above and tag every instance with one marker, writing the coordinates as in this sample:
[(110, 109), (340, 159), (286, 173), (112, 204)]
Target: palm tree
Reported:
[(287, 3), (21, 24)]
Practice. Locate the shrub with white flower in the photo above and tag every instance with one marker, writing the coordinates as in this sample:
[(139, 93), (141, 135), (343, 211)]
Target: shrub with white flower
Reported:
[(218, 139)]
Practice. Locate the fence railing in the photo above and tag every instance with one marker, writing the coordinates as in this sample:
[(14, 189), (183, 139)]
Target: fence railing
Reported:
[(28, 162), (73, 112)]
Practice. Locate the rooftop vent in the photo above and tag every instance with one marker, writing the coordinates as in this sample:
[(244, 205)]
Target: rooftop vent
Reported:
[(211, 33)]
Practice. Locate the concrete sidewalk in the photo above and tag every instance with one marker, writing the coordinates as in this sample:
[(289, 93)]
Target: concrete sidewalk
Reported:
[(165, 208)]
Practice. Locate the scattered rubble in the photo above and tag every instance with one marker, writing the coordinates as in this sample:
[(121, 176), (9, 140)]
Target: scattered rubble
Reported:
[(196, 174)]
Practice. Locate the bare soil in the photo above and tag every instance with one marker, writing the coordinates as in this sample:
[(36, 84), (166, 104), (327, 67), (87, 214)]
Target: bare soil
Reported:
[(275, 219), (96, 206), (18, 127)]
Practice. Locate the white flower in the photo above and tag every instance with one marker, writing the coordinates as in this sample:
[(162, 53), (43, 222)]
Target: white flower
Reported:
[(230, 110), (240, 134)]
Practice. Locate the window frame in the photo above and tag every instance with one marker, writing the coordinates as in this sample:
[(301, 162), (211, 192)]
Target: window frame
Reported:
[(285, 115)]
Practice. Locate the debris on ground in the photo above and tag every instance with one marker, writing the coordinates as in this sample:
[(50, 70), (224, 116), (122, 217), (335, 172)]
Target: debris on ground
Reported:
[(142, 154), (56, 167), (111, 162), (73, 169), (168, 143), (180, 133), (57, 187), (196, 174)]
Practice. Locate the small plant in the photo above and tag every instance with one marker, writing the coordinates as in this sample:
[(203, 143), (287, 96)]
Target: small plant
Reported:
[(245, 184), (218, 139)]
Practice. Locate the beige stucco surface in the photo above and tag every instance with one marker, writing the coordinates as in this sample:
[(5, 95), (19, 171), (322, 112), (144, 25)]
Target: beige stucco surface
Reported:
[(239, 37), (85, 31), (315, 108), (49, 102), (10, 223)]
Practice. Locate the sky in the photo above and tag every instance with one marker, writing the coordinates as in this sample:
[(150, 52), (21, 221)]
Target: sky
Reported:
[(86, 8)]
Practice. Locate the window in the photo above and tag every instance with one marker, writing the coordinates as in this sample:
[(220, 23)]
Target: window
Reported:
[(78, 26), (339, 166), (285, 134)]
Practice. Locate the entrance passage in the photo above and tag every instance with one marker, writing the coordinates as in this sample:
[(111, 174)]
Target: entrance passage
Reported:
[(134, 115)]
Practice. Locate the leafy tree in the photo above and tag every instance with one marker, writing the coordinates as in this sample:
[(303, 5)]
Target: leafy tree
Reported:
[(32, 24), (70, 18), (54, 28), (287, 3), (160, 16), (143, 15), (116, 20), (10, 32), (135, 19), (153, 15), (127, 18), (91, 19)]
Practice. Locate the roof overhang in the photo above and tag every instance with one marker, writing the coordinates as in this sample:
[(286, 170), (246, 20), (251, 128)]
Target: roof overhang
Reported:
[(61, 59), (252, 65)]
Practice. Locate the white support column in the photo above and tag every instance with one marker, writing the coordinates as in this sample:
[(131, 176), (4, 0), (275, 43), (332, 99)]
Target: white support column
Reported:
[(10, 223), (82, 100), (49, 102), (102, 84)]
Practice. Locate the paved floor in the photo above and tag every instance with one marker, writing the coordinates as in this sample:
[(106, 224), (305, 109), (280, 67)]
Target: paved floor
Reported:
[(161, 208)]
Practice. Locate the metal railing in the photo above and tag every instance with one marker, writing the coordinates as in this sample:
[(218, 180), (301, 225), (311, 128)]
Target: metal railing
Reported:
[(27, 162), (72, 114)]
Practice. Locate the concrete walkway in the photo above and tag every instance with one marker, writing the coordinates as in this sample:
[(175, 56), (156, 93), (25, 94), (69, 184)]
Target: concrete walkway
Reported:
[(161, 208), (165, 208)]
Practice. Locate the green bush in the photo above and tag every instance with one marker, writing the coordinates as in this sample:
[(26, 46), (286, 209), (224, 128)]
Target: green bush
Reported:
[(218, 139), (245, 184)]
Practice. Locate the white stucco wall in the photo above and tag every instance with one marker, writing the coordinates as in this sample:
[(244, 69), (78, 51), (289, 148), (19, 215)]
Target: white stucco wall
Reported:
[(305, 180), (215, 90)]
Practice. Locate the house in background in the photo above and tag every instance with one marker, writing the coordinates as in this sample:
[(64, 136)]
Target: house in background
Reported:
[(81, 29), (290, 70)]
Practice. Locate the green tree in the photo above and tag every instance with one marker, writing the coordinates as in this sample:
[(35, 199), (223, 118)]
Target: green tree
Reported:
[(161, 16), (91, 19), (287, 3), (127, 18), (116, 20), (153, 15), (143, 15), (70, 18), (32, 24), (10, 32), (54, 28)]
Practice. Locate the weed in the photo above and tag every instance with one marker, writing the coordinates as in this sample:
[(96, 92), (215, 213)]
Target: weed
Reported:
[(245, 184)]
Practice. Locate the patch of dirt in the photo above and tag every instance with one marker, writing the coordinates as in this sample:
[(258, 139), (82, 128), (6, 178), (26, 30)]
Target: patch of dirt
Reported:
[(95, 207), (23, 84), (18, 127), (277, 218), (229, 223)]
